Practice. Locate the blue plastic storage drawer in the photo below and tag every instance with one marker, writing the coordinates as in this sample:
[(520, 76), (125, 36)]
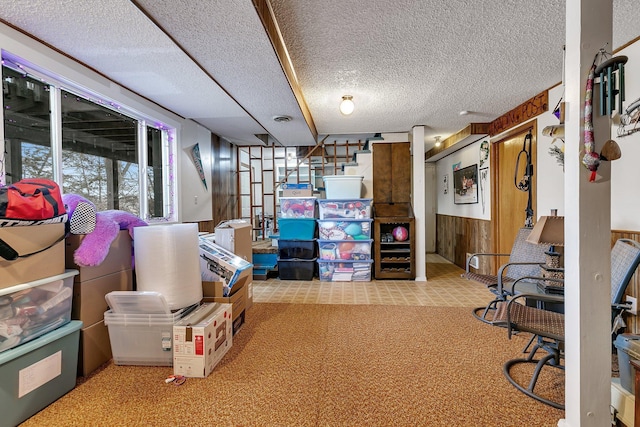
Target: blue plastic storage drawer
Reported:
[(297, 228)]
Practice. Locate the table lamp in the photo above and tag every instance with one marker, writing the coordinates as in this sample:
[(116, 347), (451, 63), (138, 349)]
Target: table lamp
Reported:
[(549, 230)]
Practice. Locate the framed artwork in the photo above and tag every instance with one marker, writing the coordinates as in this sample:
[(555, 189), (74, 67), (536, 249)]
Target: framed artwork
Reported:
[(465, 185)]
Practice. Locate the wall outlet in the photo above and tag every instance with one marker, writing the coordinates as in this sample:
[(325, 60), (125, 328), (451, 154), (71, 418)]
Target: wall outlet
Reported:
[(473, 262), (634, 305)]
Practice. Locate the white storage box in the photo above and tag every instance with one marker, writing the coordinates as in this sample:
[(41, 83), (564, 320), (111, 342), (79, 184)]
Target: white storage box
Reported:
[(32, 309), (202, 339), (142, 339), (343, 186)]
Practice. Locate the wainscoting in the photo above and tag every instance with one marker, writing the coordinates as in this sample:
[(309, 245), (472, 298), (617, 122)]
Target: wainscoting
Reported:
[(457, 236)]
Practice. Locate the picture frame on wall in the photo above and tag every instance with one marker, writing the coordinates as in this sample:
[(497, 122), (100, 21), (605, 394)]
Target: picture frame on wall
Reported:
[(465, 185)]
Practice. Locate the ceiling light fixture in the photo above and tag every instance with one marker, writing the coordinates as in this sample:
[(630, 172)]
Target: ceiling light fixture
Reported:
[(464, 112), (438, 143), (347, 105)]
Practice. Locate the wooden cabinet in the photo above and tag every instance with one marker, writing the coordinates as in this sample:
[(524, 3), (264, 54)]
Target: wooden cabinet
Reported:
[(393, 258)]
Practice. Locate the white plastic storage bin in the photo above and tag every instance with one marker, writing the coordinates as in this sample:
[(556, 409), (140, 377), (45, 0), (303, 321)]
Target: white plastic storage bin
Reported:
[(32, 309), (298, 207), (344, 229), (346, 209), (343, 186), (143, 339), (344, 271)]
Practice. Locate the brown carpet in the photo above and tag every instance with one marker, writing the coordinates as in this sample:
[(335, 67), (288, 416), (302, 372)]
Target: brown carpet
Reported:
[(326, 365)]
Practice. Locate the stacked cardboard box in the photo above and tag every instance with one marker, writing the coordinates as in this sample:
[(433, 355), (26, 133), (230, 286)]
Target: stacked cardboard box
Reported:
[(89, 304), (235, 236)]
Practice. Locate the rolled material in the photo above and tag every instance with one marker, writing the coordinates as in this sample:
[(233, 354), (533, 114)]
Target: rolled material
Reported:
[(167, 261)]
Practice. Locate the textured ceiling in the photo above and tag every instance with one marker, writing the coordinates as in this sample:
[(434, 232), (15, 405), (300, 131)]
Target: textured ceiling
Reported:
[(405, 62)]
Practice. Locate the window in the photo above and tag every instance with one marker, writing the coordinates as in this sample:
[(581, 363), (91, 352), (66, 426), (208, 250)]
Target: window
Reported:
[(92, 146)]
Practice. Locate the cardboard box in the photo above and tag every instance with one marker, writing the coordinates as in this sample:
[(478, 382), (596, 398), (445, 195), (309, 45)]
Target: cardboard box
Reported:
[(95, 348), (249, 294), (29, 239), (89, 303), (238, 299), (118, 259), (297, 190), (219, 264), (38, 373), (238, 322), (201, 339), (235, 236)]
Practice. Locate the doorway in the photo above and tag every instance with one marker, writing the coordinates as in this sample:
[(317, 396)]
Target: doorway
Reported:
[(509, 203)]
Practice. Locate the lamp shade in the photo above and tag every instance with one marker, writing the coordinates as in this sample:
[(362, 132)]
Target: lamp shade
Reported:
[(347, 105), (549, 230)]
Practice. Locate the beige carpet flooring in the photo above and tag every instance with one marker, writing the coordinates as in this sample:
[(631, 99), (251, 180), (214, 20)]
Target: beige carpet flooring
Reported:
[(326, 365)]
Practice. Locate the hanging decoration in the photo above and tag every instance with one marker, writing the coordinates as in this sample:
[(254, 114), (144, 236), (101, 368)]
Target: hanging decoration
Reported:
[(525, 183), (556, 149), (197, 162), (609, 90), (629, 120), (591, 160), (484, 152), (610, 149), (484, 176), (557, 144)]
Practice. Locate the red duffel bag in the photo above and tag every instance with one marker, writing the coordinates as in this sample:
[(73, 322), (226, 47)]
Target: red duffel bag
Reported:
[(31, 199)]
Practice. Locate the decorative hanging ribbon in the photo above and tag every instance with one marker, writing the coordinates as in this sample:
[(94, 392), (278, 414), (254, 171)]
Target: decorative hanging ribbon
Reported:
[(591, 159)]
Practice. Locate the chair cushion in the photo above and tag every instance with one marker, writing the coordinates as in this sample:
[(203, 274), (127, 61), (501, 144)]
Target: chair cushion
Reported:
[(545, 323)]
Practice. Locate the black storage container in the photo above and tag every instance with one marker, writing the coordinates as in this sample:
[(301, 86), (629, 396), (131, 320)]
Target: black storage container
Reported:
[(296, 269), (301, 249)]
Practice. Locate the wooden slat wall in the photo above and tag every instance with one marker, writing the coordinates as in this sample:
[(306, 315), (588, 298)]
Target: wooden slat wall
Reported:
[(457, 236), (224, 184)]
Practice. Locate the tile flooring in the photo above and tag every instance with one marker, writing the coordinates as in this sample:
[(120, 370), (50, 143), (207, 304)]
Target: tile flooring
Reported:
[(444, 287)]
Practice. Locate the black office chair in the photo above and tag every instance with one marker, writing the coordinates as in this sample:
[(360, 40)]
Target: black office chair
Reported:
[(548, 326)]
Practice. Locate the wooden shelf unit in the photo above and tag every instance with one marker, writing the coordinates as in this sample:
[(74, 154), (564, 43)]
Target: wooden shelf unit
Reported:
[(393, 260)]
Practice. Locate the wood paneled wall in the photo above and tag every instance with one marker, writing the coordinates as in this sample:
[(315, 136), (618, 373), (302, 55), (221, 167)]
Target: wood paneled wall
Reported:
[(224, 186), (457, 236)]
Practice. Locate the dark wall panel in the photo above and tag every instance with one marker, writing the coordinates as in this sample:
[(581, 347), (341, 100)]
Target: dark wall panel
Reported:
[(225, 184)]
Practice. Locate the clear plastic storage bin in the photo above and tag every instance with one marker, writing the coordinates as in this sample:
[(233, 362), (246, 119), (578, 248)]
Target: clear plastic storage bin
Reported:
[(345, 229), (32, 309), (344, 271), (349, 209), (298, 207), (346, 250)]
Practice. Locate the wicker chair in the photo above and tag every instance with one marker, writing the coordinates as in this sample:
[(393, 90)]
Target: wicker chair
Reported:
[(547, 327), (524, 261)]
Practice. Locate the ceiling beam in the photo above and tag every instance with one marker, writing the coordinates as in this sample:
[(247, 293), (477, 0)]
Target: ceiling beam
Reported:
[(265, 12)]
